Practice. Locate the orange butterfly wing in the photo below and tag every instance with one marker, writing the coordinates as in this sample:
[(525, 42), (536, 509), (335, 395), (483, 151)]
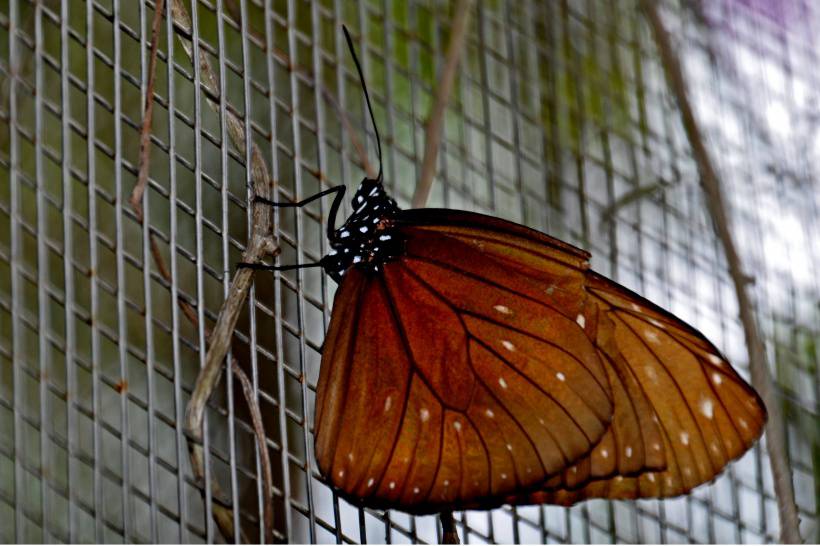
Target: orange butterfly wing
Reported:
[(461, 373), (707, 414), (488, 365)]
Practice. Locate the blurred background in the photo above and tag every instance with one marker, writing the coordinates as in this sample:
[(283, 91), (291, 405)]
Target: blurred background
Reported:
[(560, 119)]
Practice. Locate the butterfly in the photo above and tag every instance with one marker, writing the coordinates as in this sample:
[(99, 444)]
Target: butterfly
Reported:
[(472, 362)]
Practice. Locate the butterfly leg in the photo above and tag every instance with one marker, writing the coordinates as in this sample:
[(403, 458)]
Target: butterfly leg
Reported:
[(334, 207), (265, 267)]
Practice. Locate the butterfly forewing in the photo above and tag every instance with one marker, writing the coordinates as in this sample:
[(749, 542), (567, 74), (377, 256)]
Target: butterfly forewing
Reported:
[(494, 385)]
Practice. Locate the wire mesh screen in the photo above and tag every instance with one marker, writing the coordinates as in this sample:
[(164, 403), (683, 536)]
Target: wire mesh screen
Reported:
[(560, 119)]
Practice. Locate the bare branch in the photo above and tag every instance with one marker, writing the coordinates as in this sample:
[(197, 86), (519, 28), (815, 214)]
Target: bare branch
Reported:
[(147, 119), (432, 134), (449, 533), (262, 444), (761, 377)]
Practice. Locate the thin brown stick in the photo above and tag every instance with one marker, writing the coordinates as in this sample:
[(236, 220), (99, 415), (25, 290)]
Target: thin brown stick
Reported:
[(449, 533), (147, 118), (761, 377), (262, 444), (432, 134), (222, 515)]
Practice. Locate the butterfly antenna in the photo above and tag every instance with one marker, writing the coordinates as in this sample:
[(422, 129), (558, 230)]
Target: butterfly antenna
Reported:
[(366, 97)]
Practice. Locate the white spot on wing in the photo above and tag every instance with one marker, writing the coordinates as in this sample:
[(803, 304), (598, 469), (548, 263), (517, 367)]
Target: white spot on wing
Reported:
[(582, 322), (656, 446), (650, 477), (707, 408), (628, 452), (387, 403), (714, 359), (341, 473), (651, 374), (502, 382), (507, 345), (344, 234), (657, 323), (684, 438), (502, 309), (604, 453), (424, 414), (743, 423), (457, 425), (384, 237), (651, 337), (509, 447), (446, 483), (370, 482), (503, 476), (716, 378), (490, 413), (560, 376), (415, 490), (363, 229), (392, 485)]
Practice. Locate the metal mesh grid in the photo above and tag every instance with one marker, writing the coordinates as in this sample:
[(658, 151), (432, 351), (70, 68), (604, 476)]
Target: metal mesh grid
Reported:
[(560, 120)]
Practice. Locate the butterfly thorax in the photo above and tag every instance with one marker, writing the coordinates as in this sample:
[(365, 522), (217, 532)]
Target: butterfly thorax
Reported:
[(368, 238)]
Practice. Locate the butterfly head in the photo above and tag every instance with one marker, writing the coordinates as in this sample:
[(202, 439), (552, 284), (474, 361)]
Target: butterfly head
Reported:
[(368, 238)]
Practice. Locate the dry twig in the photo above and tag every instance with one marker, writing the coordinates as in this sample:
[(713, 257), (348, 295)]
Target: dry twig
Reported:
[(432, 134), (222, 514), (761, 377)]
